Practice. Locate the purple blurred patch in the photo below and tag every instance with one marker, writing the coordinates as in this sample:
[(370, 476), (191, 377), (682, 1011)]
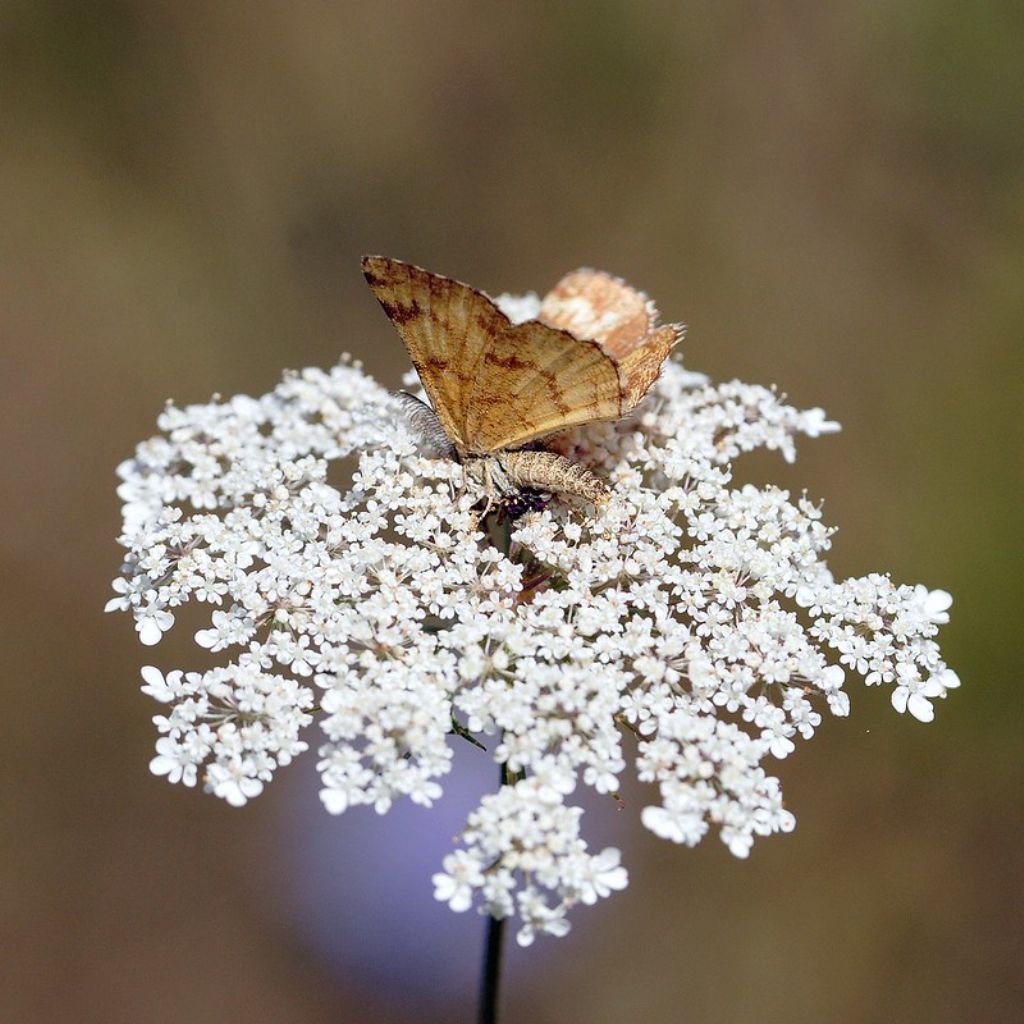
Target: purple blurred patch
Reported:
[(359, 893)]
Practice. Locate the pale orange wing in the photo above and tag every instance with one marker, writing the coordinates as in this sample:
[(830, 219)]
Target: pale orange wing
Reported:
[(639, 369), (621, 319), (446, 326), (535, 380)]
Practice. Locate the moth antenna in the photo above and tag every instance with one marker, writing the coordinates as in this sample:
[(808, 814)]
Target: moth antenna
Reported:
[(424, 425)]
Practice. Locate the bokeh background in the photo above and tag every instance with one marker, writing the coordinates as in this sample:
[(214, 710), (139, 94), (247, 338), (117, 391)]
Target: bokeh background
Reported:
[(831, 195)]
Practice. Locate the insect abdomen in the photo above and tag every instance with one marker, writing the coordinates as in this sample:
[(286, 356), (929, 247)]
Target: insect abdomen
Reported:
[(547, 471)]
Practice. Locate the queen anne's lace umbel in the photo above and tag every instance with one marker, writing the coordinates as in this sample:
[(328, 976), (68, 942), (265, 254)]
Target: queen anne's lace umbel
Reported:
[(691, 625)]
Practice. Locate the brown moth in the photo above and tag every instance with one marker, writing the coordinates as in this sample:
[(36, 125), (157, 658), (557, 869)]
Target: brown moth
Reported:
[(592, 354)]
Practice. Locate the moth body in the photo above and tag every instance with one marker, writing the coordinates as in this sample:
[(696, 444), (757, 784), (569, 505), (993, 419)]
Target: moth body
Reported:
[(505, 474), (548, 471)]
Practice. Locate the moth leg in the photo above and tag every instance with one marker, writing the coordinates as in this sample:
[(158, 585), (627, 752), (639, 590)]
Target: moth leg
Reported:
[(463, 486), (477, 472), (471, 476), (490, 489)]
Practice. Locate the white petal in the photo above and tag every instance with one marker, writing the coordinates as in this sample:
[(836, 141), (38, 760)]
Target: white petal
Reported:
[(161, 765), (149, 632), (153, 676), (782, 747), (206, 638), (334, 800), (833, 676), (461, 900), (921, 708), (937, 605)]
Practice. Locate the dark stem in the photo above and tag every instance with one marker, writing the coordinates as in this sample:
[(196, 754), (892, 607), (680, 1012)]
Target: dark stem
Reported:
[(495, 939), (499, 532), (492, 972)]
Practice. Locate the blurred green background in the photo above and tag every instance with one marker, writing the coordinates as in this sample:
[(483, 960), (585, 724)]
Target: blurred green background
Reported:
[(830, 195)]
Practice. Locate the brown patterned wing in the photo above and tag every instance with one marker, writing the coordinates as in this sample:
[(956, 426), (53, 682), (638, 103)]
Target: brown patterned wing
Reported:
[(592, 304), (536, 380), (592, 355), (447, 327)]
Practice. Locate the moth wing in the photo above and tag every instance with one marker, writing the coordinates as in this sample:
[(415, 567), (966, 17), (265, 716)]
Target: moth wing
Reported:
[(446, 326), (535, 380), (620, 319), (595, 305), (639, 368), (592, 354)]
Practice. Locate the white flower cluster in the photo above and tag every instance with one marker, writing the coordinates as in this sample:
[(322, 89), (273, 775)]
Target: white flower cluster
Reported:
[(523, 855), (691, 624), (241, 719)]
